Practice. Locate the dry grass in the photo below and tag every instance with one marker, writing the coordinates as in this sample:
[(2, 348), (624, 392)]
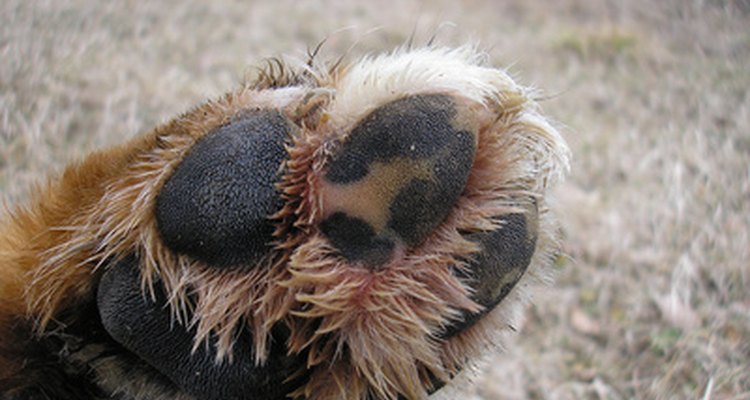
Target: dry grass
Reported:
[(655, 299)]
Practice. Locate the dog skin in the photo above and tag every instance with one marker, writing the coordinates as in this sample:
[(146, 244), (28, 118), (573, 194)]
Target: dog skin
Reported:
[(361, 231)]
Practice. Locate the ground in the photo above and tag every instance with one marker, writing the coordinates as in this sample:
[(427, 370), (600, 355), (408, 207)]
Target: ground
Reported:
[(653, 300)]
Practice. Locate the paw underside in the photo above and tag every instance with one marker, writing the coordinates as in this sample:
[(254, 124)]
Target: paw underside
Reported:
[(215, 208), (295, 252)]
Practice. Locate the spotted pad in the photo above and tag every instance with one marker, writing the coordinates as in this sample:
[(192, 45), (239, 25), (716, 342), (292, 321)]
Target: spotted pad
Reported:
[(145, 328), (503, 258), (216, 204), (396, 177)]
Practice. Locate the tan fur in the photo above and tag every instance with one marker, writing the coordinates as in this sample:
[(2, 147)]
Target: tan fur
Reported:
[(377, 330)]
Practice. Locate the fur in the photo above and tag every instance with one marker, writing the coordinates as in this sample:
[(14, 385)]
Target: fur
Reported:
[(368, 334)]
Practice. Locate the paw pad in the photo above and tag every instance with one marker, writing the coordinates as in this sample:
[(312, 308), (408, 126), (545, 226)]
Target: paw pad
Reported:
[(395, 177), (216, 205)]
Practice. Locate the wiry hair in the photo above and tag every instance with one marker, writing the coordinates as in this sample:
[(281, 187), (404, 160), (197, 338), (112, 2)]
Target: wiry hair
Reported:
[(366, 333)]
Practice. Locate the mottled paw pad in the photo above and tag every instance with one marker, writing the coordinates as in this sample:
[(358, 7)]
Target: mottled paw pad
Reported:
[(395, 177)]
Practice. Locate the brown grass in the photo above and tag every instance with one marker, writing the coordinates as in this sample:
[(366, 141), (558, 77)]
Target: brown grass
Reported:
[(654, 301)]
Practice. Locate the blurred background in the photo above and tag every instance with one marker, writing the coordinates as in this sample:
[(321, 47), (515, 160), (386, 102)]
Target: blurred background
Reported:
[(653, 301)]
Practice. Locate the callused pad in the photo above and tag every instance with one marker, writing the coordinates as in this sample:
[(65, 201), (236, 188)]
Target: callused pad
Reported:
[(216, 205), (396, 176), (143, 325), (503, 257)]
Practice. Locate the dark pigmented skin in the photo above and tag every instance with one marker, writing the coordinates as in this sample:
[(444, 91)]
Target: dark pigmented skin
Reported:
[(216, 205), (501, 262), (145, 328), (418, 208), (356, 239), (413, 133), (421, 122)]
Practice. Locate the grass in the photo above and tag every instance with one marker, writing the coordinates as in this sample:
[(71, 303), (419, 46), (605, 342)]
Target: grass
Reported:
[(654, 300)]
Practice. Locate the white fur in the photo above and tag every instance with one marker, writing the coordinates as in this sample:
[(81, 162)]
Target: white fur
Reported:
[(373, 81)]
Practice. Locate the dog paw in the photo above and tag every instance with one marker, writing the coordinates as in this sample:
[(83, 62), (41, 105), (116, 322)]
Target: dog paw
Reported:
[(354, 233)]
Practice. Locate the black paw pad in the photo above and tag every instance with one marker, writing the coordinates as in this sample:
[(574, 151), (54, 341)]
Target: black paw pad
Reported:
[(145, 328), (216, 204), (398, 173), (504, 255), (356, 240)]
